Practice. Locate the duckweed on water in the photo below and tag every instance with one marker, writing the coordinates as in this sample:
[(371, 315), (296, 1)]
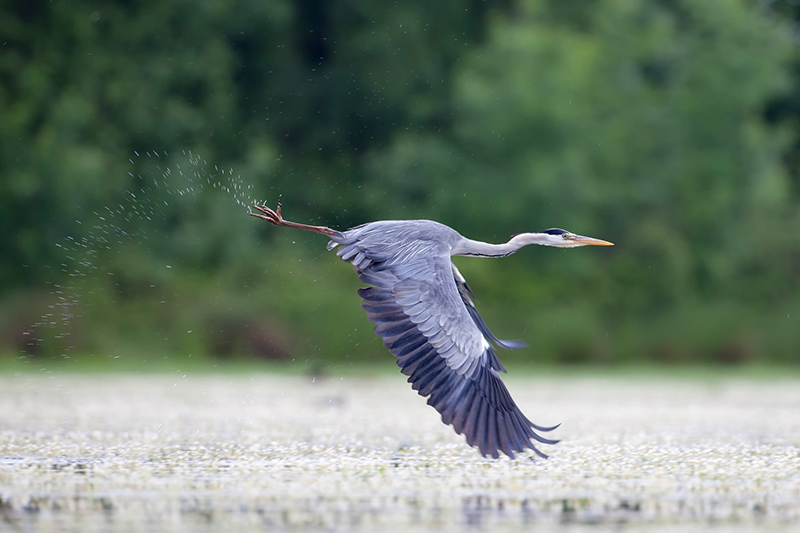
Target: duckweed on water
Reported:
[(254, 452)]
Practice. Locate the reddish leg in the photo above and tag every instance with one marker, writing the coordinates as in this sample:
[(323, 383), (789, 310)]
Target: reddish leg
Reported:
[(275, 218)]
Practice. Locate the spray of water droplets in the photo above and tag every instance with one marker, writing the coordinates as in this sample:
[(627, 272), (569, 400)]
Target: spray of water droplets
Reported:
[(159, 183)]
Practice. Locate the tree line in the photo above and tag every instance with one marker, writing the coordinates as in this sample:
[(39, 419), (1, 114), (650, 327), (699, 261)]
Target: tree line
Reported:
[(668, 127)]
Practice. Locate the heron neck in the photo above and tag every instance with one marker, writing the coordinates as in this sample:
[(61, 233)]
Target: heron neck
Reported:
[(470, 248)]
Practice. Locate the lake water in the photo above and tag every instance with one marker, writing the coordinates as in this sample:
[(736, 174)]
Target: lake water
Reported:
[(265, 452)]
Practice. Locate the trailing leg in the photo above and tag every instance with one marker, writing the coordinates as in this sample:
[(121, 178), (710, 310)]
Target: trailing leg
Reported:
[(275, 218)]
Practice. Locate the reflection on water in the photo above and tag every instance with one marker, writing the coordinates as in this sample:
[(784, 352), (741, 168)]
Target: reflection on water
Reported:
[(242, 495)]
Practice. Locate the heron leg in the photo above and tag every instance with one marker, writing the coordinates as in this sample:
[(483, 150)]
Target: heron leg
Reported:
[(275, 218)]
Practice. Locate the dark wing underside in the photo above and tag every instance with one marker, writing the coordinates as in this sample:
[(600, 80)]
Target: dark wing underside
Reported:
[(440, 345)]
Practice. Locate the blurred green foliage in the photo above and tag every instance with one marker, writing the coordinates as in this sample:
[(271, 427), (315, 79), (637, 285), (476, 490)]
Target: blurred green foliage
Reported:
[(134, 134)]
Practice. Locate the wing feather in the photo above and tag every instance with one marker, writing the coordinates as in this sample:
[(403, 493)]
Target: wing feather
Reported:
[(511, 437), (492, 436), (408, 344)]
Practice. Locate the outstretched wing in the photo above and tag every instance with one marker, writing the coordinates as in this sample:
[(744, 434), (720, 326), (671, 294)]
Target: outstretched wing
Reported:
[(426, 324)]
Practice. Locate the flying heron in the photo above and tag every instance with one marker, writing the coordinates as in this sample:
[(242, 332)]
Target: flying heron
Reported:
[(422, 308)]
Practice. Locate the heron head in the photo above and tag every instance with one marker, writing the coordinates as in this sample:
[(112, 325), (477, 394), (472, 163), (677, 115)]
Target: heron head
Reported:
[(564, 239)]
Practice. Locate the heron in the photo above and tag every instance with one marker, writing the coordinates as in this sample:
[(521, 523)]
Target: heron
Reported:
[(423, 310)]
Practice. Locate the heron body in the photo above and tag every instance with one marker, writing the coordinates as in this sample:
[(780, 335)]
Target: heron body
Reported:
[(422, 309)]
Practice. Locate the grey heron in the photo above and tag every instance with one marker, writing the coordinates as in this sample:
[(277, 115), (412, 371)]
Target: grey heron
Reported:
[(422, 308)]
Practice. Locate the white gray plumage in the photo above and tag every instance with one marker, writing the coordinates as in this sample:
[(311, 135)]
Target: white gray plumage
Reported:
[(421, 307)]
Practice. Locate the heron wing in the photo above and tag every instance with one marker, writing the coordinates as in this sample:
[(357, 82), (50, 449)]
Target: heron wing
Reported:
[(423, 320), (466, 296)]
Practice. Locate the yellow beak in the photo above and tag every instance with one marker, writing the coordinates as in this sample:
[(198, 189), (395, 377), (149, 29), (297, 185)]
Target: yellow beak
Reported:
[(591, 241)]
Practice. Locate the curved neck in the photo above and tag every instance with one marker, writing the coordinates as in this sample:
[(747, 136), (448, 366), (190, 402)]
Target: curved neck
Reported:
[(470, 248)]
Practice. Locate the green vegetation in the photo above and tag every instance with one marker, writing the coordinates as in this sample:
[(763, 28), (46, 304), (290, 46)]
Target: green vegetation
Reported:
[(134, 134)]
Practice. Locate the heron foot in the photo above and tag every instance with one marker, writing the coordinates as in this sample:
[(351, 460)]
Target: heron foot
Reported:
[(273, 217)]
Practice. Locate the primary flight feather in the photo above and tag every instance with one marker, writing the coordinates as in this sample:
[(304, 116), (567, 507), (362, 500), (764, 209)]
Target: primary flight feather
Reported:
[(422, 309)]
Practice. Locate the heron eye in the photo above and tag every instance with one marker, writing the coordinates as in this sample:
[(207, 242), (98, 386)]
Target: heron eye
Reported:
[(566, 236)]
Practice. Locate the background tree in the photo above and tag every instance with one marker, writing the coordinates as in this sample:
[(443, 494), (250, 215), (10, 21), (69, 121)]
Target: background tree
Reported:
[(135, 132)]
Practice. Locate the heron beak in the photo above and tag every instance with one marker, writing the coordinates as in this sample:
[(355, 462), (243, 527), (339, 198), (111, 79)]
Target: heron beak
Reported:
[(586, 241)]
